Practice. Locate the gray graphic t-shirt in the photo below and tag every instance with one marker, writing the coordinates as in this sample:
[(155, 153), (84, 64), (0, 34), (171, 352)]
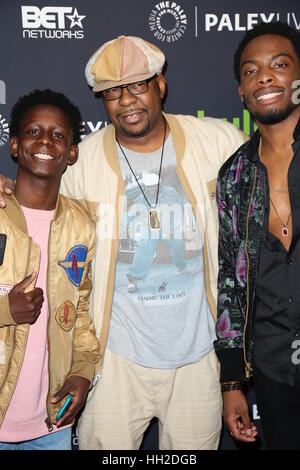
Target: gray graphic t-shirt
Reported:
[(160, 314)]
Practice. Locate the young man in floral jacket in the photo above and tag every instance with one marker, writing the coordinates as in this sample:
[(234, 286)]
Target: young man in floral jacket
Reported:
[(259, 248)]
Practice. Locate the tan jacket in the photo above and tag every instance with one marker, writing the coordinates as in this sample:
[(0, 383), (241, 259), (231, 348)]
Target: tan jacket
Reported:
[(201, 145), (73, 346)]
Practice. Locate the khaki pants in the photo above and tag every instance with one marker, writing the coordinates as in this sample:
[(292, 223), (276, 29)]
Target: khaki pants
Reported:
[(187, 402)]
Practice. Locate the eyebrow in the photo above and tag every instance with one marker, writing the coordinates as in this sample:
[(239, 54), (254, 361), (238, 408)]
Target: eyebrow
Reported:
[(253, 61)]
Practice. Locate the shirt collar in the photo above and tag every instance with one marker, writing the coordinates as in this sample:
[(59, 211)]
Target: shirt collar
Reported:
[(296, 133)]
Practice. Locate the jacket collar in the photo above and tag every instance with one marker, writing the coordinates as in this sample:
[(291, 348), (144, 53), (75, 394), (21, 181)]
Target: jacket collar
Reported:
[(296, 133), (14, 213), (251, 147), (59, 208)]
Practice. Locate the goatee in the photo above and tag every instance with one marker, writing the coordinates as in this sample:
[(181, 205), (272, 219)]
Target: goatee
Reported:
[(140, 133), (273, 116)]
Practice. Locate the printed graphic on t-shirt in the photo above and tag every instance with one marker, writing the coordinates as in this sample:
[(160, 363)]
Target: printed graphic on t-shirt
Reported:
[(160, 316), (157, 266)]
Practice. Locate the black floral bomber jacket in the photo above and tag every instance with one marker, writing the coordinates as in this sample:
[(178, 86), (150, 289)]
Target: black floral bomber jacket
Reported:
[(241, 199), (241, 204)]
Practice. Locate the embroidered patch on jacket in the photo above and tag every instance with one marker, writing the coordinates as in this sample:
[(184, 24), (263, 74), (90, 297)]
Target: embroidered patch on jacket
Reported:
[(5, 289), (74, 263), (66, 316)]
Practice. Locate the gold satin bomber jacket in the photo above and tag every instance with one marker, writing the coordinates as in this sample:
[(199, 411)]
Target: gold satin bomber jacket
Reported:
[(72, 344)]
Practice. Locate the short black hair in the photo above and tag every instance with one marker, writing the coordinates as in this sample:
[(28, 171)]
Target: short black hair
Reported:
[(278, 28), (50, 97)]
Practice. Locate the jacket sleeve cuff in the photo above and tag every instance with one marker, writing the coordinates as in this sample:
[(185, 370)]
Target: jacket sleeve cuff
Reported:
[(5, 315), (232, 364), (83, 366)]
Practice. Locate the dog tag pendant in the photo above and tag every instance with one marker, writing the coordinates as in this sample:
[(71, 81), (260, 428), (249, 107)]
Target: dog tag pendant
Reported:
[(154, 219)]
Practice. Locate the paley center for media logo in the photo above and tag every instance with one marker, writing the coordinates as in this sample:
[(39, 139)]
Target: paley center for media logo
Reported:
[(168, 21), (52, 22), (210, 22), (89, 126)]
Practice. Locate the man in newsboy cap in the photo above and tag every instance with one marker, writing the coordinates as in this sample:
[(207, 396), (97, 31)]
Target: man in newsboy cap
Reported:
[(158, 358), (157, 339)]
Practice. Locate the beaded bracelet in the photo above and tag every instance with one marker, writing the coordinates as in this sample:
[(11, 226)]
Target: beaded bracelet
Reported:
[(230, 386)]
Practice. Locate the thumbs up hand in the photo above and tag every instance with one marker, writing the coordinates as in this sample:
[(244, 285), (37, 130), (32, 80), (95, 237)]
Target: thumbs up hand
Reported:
[(25, 307)]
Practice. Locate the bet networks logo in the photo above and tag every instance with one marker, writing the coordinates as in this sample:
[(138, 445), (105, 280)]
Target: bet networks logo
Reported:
[(52, 22), (167, 21)]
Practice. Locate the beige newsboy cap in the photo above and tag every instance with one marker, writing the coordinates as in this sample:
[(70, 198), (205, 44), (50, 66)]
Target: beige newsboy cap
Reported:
[(124, 60)]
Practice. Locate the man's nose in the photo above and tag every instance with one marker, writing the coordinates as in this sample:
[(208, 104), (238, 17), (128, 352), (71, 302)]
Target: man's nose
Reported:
[(265, 75), (45, 139), (126, 98)]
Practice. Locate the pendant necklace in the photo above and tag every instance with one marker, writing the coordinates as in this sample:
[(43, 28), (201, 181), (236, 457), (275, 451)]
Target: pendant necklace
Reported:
[(284, 230), (153, 214)]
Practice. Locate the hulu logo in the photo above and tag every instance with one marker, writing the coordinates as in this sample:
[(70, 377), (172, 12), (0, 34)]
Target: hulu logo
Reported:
[(236, 121)]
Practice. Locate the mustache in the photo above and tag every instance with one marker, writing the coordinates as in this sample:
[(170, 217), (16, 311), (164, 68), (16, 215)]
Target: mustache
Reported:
[(130, 111)]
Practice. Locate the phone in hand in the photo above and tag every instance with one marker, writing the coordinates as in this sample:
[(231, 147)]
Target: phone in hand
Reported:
[(64, 407)]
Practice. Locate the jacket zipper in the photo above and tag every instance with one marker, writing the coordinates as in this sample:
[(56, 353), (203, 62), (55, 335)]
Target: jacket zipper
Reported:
[(248, 366), (48, 419)]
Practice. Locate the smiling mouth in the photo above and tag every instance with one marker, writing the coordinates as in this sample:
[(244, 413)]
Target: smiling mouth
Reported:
[(269, 96), (43, 156), (132, 116)]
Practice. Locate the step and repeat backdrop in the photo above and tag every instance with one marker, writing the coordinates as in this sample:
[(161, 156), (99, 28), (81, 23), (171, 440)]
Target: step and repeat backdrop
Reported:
[(48, 43)]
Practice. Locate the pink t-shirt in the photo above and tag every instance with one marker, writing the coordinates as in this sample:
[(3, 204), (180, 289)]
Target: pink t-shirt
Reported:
[(26, 414)]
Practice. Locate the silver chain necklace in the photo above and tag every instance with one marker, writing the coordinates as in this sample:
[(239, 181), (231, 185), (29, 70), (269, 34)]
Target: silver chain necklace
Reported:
[(153, 215)]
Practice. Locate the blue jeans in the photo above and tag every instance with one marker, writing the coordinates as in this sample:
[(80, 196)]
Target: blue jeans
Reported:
[(59, 440), (144, 252)]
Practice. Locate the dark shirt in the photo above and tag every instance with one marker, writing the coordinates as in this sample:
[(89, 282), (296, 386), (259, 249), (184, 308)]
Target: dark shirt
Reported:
[(277, 293)]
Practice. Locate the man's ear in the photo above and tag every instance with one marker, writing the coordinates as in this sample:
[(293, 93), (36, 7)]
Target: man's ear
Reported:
[(14, 147), (162, 85), (73, 155)]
